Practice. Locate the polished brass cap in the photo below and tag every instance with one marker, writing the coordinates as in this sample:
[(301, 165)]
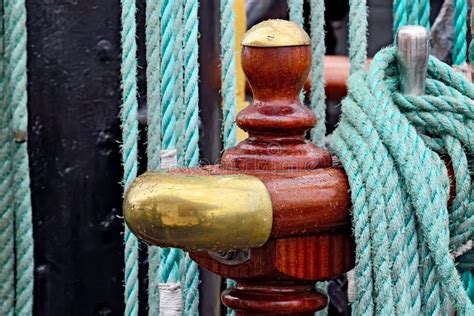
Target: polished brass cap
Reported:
[(276, 33), (224, 212)]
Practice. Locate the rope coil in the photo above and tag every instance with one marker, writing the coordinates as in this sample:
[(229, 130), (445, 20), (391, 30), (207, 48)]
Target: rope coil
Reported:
[(386, 142)]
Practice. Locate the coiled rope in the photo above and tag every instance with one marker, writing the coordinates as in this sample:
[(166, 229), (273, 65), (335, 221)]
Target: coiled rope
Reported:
[(129, 117), (389, 145), (16, 252)]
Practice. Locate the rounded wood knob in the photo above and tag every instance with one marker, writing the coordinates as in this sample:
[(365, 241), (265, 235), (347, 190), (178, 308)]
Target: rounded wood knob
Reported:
[(276, 58)]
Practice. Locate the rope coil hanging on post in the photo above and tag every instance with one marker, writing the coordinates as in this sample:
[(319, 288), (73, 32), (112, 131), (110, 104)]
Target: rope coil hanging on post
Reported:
[(389, 144)]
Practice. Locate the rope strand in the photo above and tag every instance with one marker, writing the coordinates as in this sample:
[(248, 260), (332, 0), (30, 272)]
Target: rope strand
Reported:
[(7, 254), (153, 74), (15, 52), (318, 47), (190, 276), (129, 116)]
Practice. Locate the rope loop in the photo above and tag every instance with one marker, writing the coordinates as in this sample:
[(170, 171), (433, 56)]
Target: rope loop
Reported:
[(393, 148)]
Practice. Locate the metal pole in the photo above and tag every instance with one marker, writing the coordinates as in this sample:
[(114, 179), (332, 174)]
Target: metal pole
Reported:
[(413, 53)]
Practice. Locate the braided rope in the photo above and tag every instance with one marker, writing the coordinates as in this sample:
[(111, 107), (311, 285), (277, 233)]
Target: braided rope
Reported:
[(191, 81), (229, 86), (400, 16), (295, 8), (374, 119), (129, 117), (16, 91), (7, 275), (413, 9), (424, 13), (190, 276), (178, 73), (167, 78), (153, 75), (168, 270), (318, 47), (229, 97), (357, 34), (460, 32)]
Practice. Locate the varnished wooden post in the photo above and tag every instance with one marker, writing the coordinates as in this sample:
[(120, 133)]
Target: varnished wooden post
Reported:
[(309, 238)]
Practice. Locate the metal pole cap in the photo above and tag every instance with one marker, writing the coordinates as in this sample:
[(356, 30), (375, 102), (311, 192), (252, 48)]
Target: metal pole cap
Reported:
[(413, 54)]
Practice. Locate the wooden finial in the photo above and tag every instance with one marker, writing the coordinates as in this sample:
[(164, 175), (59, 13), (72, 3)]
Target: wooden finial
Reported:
[(276, 121)]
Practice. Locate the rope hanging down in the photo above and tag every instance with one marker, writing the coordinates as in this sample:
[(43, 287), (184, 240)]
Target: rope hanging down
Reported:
[(16, 250), (7, 254), (389, 144), (129, 117), (460, 32), (153, 76), (15, 37), (229, 98), (169, 266), (318, 47), (189, 269)]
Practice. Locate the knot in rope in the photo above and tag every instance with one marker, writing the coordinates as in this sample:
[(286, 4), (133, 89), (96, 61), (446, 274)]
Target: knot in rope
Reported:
[(393, 148)]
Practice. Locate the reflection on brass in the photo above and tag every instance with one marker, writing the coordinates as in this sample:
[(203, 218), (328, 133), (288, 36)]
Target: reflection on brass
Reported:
[(276, 33), (199, 212)]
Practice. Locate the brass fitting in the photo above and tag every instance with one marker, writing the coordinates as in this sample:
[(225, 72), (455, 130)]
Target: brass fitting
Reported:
[(195, 212)]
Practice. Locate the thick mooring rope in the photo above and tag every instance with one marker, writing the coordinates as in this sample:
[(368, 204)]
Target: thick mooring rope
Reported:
[(7, 254), (386, 143), (153, 75), (229, 98), (15, 106), (190, 269), (129, 117)]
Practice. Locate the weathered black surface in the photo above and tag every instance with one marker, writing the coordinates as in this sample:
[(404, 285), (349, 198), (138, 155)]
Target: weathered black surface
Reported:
[(74, 136), (74, 98)]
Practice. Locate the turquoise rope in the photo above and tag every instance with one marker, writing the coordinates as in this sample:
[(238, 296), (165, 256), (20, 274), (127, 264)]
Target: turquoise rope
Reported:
[(129, 117), (178, 73), (378, 139), (167, 78), (15, 51), (190, 275), (413, 9), (168, 270), (191, 82), (318, 47), (400, 16), (357, 34), (229, 98), (7, 255), (460, 32), (153, 75), (424, 13), (295, 8)]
